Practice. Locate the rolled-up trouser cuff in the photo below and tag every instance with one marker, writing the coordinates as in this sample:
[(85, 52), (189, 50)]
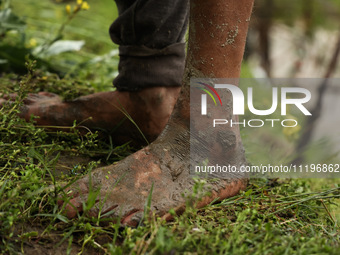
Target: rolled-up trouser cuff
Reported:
[(141, 67)]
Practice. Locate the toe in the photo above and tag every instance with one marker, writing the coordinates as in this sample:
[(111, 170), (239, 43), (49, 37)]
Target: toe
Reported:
[(73, 198), (73, 207), (133, 218)]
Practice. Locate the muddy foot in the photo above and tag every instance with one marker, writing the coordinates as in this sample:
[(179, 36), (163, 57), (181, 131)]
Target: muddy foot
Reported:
[(149, 109), (125, 186)]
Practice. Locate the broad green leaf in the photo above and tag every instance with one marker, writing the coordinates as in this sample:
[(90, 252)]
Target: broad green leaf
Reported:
[(63, 46)]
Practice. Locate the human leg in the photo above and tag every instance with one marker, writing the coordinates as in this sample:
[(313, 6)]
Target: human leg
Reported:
[(151, 65), (164, 164)]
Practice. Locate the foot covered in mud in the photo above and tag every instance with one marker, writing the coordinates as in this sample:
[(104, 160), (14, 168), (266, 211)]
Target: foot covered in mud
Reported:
[(123, 188), (149, 109)]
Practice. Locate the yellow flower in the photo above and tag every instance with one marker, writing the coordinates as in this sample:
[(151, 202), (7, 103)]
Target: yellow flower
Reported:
[(290, 132), (68, 9), (32, 42), (79, 2), (85, 6)]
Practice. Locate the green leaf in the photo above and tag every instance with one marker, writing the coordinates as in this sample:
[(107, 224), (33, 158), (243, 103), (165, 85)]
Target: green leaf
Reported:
[(10, 21), (60, 47), (91, 200), (248, 193), (58, 216)]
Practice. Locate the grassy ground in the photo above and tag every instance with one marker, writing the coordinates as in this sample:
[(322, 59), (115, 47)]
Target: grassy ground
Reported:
[(285, 216)]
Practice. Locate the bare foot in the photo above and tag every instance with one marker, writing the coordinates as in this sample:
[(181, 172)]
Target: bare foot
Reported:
[(150, 109), (124, 187)]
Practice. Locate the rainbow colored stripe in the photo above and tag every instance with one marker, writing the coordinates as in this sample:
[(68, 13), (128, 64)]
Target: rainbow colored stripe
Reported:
[(209, 93)]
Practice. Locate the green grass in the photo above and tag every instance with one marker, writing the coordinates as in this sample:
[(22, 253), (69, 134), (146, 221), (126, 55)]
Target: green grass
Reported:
[(285, 216)]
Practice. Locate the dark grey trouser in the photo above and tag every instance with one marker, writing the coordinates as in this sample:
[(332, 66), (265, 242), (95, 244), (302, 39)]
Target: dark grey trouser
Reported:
[(150, 35)]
